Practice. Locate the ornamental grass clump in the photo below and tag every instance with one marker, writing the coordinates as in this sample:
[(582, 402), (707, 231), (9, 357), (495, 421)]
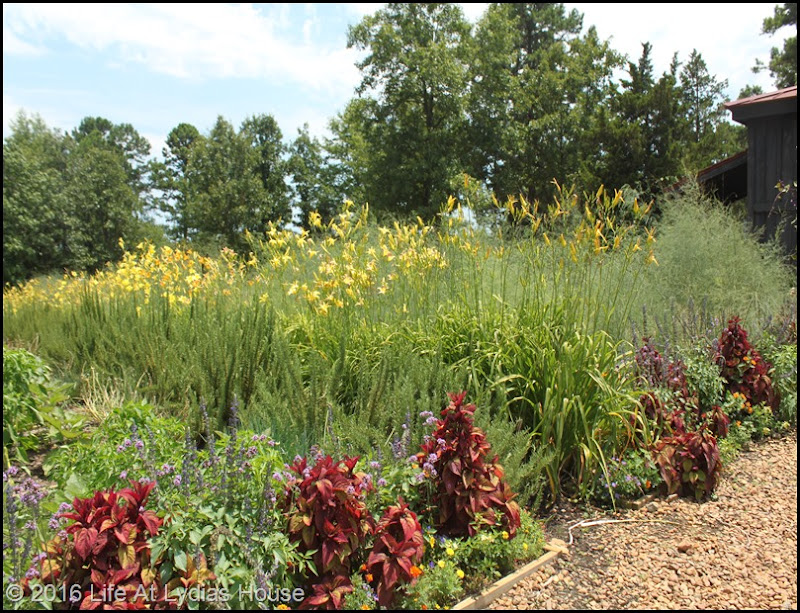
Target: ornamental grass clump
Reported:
[(469, 489)]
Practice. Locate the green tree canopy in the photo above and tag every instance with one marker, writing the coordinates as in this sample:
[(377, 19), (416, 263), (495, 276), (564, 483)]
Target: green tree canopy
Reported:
[(711, 136), (415, 71), (233, 183), (171, 177), (783, 62), (314, 178), (36, 219), (536, 87)]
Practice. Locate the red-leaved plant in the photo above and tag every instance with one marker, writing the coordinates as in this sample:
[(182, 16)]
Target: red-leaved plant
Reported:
[(327, 515), (689, 463), (398, 548), (104, 559), (743, 368), (717, 421), (329, 593), (470, 489)]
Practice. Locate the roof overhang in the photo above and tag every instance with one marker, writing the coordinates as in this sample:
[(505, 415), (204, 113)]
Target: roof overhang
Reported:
[(781, 102)]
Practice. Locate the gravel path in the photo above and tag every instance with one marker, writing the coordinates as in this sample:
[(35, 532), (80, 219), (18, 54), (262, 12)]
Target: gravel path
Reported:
[(737, 552)]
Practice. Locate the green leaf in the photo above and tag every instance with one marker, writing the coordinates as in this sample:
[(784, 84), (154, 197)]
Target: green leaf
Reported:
[(75, 487), (180, 561)]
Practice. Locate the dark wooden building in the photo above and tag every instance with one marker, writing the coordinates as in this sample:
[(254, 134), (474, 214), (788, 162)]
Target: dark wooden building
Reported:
[(771, 121)]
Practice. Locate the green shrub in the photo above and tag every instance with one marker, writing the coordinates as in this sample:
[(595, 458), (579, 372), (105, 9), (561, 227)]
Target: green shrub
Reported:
[(707, 256), (33, 411), (629, 477), (784, 378)]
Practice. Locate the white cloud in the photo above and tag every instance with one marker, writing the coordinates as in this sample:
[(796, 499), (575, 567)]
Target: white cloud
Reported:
[(474, 10), (10, 110), (729, 40), (192, 41), (361, 9)]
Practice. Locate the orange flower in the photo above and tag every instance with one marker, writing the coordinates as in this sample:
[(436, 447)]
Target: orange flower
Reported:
[(416, 571), (363, 568), (369, 578)]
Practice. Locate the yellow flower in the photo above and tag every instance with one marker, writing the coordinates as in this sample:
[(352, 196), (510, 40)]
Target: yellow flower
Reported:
[(460, 573), (283, 607), (432, 541), (525, 546), (505, 535), (441, 563), (450, 552)]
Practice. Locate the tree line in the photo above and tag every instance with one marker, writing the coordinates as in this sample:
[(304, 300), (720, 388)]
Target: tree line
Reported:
[(521, 98)]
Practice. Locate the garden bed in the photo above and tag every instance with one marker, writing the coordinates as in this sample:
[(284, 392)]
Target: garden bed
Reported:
[(553, 549)]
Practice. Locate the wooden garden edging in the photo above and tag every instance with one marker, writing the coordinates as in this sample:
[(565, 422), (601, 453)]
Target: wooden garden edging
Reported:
[(553, 549)]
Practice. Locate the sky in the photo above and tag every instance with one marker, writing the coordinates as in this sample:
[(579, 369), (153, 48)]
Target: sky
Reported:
[(157, 65)]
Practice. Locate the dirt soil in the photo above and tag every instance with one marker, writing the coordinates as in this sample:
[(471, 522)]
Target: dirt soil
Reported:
[(738, 551)]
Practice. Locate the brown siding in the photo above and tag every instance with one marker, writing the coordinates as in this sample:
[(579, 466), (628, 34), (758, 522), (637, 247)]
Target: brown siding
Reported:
[(772, 156)]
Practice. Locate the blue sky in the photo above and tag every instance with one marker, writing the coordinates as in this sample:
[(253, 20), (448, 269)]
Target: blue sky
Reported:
[(155, 66)]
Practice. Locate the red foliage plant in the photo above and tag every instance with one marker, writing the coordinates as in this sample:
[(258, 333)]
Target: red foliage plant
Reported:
[(105, 552), (398, 548), (470, 489), (329, 593), (328, 516), (689, 463), (743, 368), (718, 422)]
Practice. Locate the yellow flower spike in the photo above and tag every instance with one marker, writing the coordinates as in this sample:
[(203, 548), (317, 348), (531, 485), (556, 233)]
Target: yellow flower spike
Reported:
[(651, 259), (546, 239), (650, 236), (562, 240), (599, 193)]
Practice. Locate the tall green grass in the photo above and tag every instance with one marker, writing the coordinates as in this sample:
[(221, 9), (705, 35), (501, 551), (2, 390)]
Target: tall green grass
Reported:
[(537, 334)]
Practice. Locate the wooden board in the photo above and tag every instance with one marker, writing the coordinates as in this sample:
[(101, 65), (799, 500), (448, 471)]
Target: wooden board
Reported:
[(553, 549)]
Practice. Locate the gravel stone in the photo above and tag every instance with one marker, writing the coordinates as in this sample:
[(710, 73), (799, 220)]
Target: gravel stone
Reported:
[(738, 551)]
